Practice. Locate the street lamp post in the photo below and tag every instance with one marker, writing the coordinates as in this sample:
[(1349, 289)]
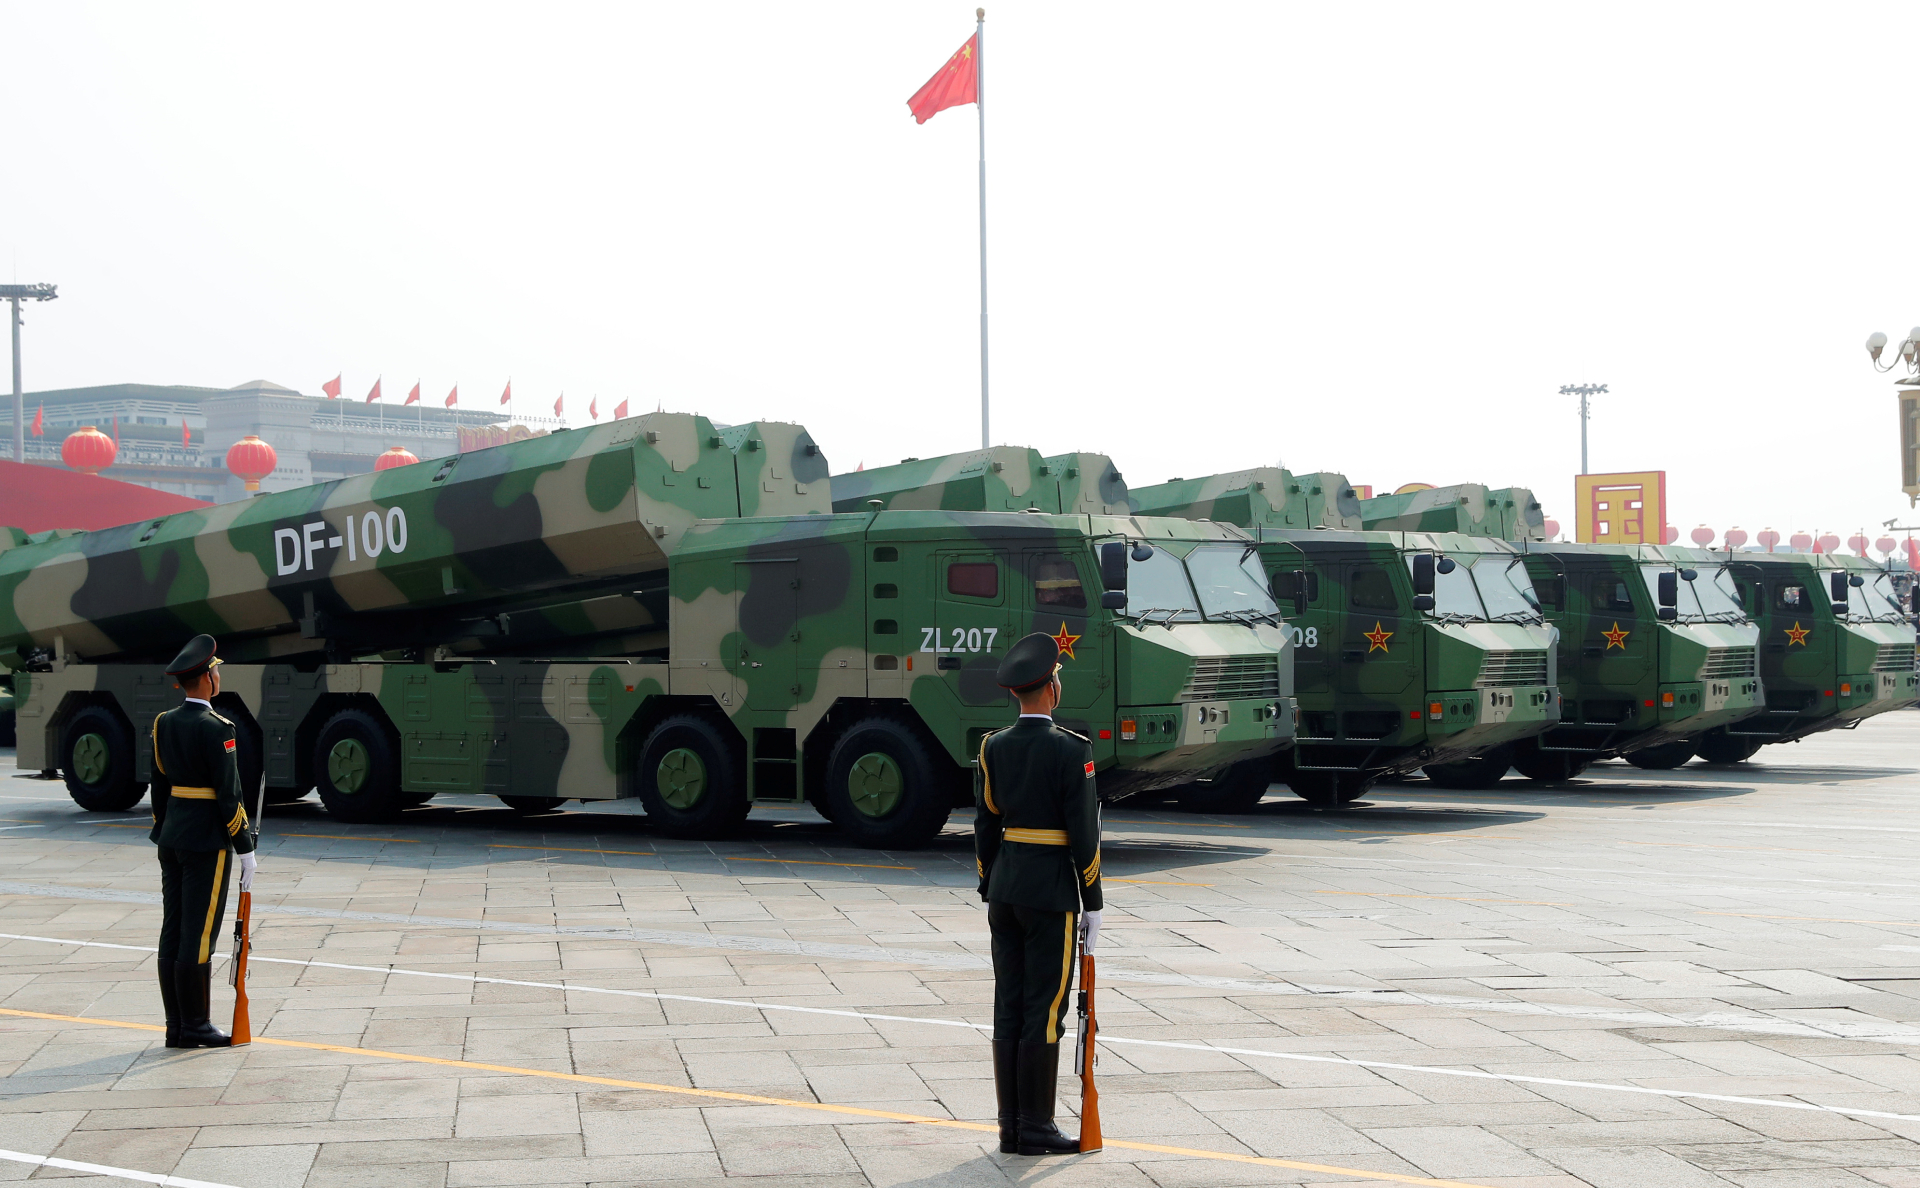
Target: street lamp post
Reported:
[(1909, 398), (1583, 391), (15, 294)]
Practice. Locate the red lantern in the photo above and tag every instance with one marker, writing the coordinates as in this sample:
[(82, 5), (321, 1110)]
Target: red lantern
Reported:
[(1886, 545), (251, 460), (1669, 535), (88, 451), (1858, 543), (1913, 553), (1828, 543), (1768, 538), (1702, 536), (1800, 542), (1736, 537), (397, 456), (1553, 529)]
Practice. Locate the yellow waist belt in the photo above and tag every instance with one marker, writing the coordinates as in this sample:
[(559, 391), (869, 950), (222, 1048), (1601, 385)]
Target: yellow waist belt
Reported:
[(195, 793), (1038, 837)]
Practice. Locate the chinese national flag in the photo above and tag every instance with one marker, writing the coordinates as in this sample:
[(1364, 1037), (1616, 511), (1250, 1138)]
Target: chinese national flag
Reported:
[(507, 395), (375, 394), (413, 397), (620, 410), (593, 408), (955, 85), (39, 420), (453, 397), (332, 388), (185, 441), (558, 403)]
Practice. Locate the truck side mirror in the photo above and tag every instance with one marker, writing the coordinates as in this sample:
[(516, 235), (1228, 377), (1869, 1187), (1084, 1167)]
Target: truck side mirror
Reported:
[(1423, 573), (1423, 602), (1667, 614), (1687, 575), (1113, 575), (1669, 583), (1446, 565), (1856, 581), (1837, 586)]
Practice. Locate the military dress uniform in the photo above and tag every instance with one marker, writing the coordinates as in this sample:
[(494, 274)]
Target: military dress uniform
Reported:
[(1037, 850), (199, 823)]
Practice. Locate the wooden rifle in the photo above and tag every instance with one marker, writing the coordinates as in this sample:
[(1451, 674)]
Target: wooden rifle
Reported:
[(243, 939), (1083, 1055)]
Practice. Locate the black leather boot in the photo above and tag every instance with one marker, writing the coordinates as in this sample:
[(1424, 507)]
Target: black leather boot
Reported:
[(1006, 1087), (170, 1001), (194, 985), (1039, 1065)]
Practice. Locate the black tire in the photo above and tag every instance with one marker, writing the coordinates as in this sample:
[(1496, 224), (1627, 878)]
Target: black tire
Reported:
[(1664, 757), (1238, 789), (887, 789), (527, 806), (1717, 746), (1549, 767), (96, 759), (1328, 789), (692, 777), (1481, 771), (356, 766)]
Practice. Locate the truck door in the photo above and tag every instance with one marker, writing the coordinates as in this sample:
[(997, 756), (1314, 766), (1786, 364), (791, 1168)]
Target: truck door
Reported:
[(1315, 633), (968, 634), (1620, 639), (1057, 584), (767, 655), (1377, 644)]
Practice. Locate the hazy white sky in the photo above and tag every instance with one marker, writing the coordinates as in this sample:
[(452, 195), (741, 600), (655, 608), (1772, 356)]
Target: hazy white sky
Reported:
[(1374, 238)]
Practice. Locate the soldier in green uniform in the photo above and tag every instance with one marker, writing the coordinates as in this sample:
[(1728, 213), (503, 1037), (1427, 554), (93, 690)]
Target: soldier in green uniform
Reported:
[(199, 821), (1036, 839)]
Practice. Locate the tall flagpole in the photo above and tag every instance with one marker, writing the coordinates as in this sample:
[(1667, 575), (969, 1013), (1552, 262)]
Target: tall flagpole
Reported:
[(980, 101)]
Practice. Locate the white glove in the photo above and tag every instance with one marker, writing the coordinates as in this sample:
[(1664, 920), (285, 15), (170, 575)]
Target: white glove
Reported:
[(247, 864), (1089, 930)]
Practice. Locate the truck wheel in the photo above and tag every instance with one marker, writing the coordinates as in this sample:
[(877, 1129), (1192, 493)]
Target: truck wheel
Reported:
[(1328, 789), (1482, 771), (1238, 789), (884, 787), (1664, 757), (1549, 767), (1717, 746), (96, 750), (527, 806), (357, 769), (692, 778)]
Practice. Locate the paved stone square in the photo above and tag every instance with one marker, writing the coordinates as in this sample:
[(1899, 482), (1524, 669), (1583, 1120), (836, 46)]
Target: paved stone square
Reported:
[(1642, 979)]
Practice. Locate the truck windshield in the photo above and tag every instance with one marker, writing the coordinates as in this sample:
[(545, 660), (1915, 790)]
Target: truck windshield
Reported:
[(1876, 602), (1158, 590), (1230, 583), (1708, 598), (1487, 588)]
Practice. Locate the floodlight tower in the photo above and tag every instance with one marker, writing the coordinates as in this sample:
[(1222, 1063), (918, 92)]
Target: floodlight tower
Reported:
[(1583, 391), (15, 294), (1909, 396)]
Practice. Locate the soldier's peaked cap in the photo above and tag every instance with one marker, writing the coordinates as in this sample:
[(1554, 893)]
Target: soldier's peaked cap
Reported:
[(1029, 663), (194, 659)]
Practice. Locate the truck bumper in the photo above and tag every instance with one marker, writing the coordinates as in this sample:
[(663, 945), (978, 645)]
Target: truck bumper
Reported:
[(1159, 746), (1467, 722)]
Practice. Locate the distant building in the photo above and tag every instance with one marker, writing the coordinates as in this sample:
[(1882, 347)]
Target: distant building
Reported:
[(317, 439)]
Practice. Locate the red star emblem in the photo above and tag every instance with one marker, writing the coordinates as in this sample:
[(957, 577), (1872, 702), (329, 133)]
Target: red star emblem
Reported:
[(1065, 640), (1376, 639), (1616, 638), (1797, 634)]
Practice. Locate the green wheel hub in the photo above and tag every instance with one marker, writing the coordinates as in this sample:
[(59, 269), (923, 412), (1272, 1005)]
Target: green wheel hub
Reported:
[(682, 778), (90, 758), (875, 784), (347, 766)]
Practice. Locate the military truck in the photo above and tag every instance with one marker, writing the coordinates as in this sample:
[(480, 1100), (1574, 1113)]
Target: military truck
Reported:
[(1411, 649), (1654, 651), (1836, 646), (1510, 513), (588, 615), (1002, 478)]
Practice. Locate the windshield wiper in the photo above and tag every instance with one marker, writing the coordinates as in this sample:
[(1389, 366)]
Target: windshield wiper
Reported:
[(1140, 619), (1450, 617), (1247, 615), (1518, 616)]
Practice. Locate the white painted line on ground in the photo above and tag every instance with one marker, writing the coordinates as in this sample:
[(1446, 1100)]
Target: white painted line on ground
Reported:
[(101, 1169), (749, 1004), (1748, 1023), (1722, 824)]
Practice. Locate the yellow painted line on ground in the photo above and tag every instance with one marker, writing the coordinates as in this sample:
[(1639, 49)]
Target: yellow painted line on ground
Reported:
[(575, 850), (1450, 835), (411, 841), (753, 1099), (1157, 883), (1177, 824), (1817, 919), (1460, 898), (807, 862)]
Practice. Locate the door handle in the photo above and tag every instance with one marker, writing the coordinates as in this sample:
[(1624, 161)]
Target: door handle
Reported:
[(949, 662)]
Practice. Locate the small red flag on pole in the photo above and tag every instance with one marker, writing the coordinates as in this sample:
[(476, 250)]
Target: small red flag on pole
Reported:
[(593, 408), (332, 388), (954, 85), (453, 397), (185, 441), (39, 420), (507, 395), (620, 410), (413, 397), (375, 393), (559, 403)]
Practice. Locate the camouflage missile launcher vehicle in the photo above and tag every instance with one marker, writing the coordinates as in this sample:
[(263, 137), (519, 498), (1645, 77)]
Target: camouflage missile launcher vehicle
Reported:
[(1836, 646), (588, 616), (1003, 478), (1409, 648), (1510, 513), (1654, 651)]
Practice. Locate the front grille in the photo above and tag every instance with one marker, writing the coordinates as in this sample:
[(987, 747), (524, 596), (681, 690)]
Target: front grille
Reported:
[(1729, 664), (1221, 678), (1895, 657), (1513, 668)]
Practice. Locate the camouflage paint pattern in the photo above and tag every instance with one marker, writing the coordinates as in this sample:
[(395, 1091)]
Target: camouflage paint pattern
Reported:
[(779, 468), (1089, 484), (1465, 507), (1003, 478), (1521, 516), (1627, 679), (1261, 497)]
